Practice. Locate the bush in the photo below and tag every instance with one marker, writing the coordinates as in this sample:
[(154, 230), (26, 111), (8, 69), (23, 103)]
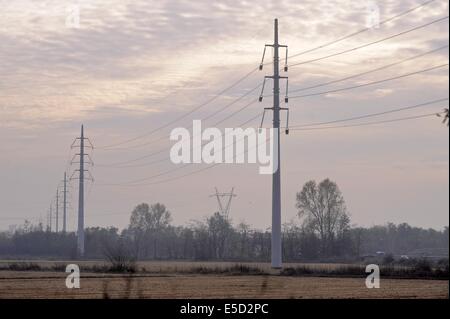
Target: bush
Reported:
[(388, 259), (121, 260), (443, 263), (423, 266), (121, 267)]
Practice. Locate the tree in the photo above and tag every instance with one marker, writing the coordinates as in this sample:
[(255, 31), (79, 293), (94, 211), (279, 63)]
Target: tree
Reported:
[(200, 240), (145, 217), (219, 229), (214, 238), (323, 209), (243, 233), (98, 238), (148, 223), (291, 237)]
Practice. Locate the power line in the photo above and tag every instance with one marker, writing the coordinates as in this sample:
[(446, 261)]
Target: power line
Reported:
[(175, 178), (389, 37), (294, 126), (169, 171), (168, 148), (184, 115), (301, 96), (304, 52), (235, 112), (66, 169), (370, 71), (132, 183), (255, 69), (370, 43), (369, 123), (333, 127), (203, 119), (362, 30), (251, 72), (372, 114), (184, 175), (370, 83), (303, 127), (330, 91)]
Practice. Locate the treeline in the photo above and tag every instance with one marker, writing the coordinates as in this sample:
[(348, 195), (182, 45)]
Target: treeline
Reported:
[(322, 233), (151, 236)]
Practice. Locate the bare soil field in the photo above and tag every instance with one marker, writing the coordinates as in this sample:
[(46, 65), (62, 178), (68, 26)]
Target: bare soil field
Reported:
[(39, 284)]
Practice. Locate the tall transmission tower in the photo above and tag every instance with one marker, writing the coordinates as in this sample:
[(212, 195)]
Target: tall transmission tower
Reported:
[(49, 220), (81, 177), (276, 177), (57, 210), (64, 202), (224, 210)]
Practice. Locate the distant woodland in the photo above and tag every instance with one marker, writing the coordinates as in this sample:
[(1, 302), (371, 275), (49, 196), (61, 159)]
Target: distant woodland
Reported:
[(322, 232)]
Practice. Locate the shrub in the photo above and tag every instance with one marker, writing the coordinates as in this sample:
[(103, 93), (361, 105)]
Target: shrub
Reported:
[(120, 259), (443, 263), (388, 259), (423, 266)]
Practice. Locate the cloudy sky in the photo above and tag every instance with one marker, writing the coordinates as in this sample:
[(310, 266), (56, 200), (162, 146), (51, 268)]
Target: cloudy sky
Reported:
[(127, 68)]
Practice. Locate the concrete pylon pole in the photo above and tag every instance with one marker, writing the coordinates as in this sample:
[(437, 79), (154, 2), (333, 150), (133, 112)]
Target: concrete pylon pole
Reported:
[(80, 233), (276, 178)]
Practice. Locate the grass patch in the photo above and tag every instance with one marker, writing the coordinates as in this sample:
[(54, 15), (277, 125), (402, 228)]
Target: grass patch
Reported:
[(419, 271), (58, 267), (237, 269), (24, 266), (120, 268)]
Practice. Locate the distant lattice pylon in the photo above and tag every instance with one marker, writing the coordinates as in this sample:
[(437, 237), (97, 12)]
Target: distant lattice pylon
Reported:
[(224, 207)]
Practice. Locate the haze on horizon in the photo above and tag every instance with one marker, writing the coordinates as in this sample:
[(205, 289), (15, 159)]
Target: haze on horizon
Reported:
[(132, 66)]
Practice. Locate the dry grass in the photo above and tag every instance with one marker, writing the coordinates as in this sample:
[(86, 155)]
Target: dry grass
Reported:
[(52, 285), (168, 267), (224, 268), (200, 280)]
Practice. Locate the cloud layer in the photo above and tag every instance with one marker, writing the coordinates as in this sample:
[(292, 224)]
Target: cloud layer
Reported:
[(133, 65)]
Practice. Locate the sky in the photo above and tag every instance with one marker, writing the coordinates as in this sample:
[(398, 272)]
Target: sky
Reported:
[(126, 68)]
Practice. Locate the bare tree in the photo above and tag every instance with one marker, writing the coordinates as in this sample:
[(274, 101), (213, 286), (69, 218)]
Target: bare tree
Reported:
[(219, 229), (323, 209), (147, 217), (147, 223), (243, 233)]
